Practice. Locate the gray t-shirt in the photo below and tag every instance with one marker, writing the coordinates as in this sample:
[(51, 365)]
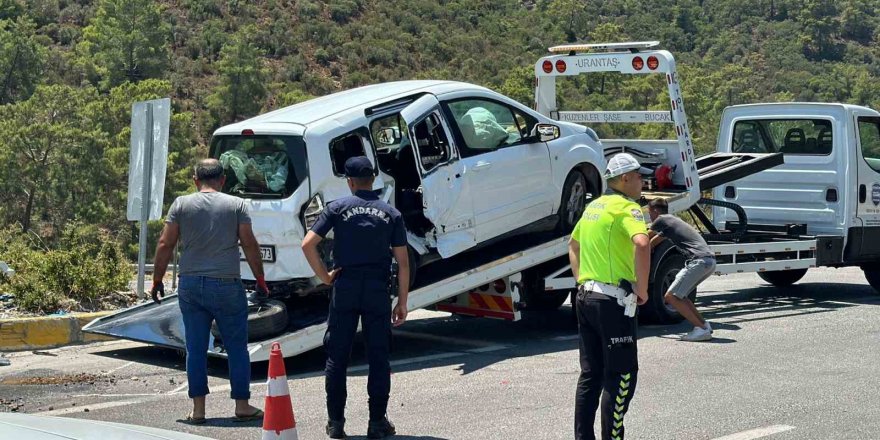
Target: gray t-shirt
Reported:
[(683, 235), (209, 233)]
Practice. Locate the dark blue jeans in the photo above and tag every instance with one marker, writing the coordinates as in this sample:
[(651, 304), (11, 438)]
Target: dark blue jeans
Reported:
[(206, 299), (359, 295)]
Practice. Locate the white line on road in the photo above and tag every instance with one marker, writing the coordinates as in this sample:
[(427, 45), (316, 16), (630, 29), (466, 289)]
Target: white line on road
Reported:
[(565, 338), (445, 339), (104, 405), (365, 367), (119, 368), (757, 433)]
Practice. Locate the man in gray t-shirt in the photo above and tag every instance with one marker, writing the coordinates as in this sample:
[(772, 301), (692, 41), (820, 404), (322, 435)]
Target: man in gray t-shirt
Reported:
[(210, 226), (699, 266)]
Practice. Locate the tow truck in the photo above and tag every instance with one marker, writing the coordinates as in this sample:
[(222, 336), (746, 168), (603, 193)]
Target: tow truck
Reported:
[(531, 272)]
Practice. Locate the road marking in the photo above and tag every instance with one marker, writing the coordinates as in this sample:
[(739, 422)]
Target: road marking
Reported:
[(445, 339), (565, 338), (180, 388), (104, 405), (757, 433), (119, 368)]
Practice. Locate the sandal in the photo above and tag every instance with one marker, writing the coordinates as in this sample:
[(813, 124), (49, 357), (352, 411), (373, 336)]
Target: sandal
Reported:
[(190, 420), (257, 415)]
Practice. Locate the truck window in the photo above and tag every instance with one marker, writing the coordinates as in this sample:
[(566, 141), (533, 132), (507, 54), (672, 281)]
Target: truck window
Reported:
[(261, 167), (344, 148), (788, 136), (869, 138)]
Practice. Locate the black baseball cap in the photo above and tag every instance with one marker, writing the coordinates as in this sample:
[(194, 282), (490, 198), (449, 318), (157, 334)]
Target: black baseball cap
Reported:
[(358, 166)]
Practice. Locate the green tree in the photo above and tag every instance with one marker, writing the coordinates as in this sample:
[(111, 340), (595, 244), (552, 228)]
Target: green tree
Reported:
[(53, 166), (21, 60), (243, 76), (126, 41)]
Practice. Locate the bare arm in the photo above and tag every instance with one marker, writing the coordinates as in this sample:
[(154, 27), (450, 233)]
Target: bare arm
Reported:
[(251, 249), (165, 250), (400, 311), (310, 249), (642, 265), (656, 239), (574, 251)]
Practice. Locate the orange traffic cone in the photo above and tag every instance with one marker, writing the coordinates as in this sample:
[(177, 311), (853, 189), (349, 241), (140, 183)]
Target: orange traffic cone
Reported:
[(279, 422)]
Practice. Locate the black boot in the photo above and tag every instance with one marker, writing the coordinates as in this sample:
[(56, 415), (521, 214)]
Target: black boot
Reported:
[(380, 429), (336, 428)]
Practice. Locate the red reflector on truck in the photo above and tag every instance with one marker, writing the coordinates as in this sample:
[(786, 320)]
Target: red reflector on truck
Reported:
[(653, 62), (247, 132), (638, 63), (547, 66), (560, 66)]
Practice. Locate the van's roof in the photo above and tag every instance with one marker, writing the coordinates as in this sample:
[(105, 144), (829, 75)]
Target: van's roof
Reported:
[(800, 105), (309, 112)]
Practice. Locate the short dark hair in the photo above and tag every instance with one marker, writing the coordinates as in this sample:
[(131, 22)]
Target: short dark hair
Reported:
[(362, 181), (659, 205), (208, 170)]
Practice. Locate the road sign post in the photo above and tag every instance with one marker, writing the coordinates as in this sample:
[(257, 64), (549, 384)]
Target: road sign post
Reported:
[(150, 121)]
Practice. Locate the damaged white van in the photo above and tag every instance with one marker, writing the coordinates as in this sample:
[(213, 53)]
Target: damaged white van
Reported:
[(465, 165)]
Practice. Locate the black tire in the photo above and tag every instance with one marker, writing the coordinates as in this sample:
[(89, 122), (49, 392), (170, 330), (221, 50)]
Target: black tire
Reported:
[(264, 320), (872, 274), (656, 310), (533, 296), (783, 278), (574, 200), (413, 264)]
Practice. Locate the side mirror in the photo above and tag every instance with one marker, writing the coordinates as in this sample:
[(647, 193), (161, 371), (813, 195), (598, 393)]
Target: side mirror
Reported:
[(388, 136), (545, 132)]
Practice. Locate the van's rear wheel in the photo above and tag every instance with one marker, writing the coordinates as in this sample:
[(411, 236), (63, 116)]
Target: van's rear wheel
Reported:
[(783, 278)]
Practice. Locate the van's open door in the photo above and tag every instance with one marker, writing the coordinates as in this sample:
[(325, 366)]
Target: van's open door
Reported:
[(447, 199)]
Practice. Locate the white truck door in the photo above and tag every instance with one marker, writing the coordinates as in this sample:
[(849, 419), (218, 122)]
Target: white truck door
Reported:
[(446, 196), (867, 130)]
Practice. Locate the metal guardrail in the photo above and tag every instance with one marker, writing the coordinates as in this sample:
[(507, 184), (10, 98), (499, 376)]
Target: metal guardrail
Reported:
[(148, 268)]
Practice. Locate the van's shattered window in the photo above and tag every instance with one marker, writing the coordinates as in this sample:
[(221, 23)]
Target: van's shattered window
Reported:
[(345, 148), (789, 136), (261, 166)]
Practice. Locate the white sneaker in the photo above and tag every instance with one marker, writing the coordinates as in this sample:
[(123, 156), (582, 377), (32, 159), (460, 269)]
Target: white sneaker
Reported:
[(698, 334), (708, 326)]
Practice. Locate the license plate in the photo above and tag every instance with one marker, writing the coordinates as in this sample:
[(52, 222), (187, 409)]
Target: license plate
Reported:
[(267, 253)]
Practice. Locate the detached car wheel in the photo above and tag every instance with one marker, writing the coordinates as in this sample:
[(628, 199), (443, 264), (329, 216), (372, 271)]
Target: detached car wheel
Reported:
[(656, 310), (574, 200), (265, 319), (783, 278)]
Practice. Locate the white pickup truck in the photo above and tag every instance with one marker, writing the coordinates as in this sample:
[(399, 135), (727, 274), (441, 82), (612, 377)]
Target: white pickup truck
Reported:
[(829, 186)]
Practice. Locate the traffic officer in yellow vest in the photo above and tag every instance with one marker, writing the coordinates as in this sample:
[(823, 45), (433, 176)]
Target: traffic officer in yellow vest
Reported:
[(610, 256)]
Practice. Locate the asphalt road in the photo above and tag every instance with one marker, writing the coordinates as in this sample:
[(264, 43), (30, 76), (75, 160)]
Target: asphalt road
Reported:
[(799, 363)]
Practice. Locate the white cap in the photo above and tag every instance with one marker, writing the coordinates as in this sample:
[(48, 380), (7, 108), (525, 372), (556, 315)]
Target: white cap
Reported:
[(623, 163)]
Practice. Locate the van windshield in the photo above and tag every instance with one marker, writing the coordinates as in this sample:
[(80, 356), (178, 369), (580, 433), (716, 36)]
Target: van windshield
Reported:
[(261, 166)]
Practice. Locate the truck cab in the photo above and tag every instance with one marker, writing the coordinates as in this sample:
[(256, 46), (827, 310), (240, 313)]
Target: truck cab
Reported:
[(830, 179)]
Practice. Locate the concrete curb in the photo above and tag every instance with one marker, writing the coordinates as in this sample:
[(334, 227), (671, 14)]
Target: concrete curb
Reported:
[(47, 331)]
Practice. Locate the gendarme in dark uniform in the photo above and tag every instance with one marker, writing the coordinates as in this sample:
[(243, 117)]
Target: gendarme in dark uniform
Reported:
[(366, 229)]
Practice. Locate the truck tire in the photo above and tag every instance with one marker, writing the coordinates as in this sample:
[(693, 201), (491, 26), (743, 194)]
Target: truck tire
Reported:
[(534, 297), (264, 320), (872, 274), (574, 200), (656, 310), (783, 278)]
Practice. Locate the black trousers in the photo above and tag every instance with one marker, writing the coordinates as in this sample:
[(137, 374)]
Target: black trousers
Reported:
[(609, 365), (359, 295)]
